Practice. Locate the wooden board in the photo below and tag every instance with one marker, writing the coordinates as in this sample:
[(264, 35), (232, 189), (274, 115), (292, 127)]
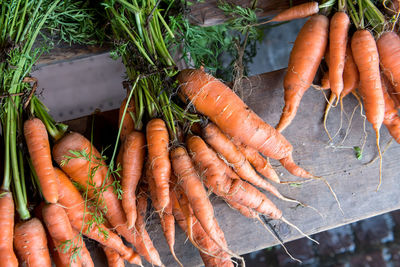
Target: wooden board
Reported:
[(354, 183)]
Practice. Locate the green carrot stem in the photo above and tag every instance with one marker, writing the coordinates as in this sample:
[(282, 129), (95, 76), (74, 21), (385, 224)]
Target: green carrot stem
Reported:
[(7, 170)]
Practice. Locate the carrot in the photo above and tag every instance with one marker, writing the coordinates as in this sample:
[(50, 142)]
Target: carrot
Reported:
[(351, 77), (144, 245), (218, 102), (225, 147), (339, 27), (245, 211), (157, 142), (91, 173), (260, 163), (128, 124), (113, 258), (389, 55), (37, 141), (133, 158), (210, 252), (60, 229), (366, 57), (325, 81), (84, 256), (31, 244), (305, 57), (391, 119), (197, 195), (393, 94), (78, 216), (7, 255), (297, 12)]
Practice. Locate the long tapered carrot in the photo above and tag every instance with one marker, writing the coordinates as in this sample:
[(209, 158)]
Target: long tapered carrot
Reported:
[(30, 243), (7, 255), (78, 216), (297, 12), (60, 229), (305, 57), (99, 184), (217, 101), (338, 31), (366, 57), (113, 258), (260, 163), (225, 147), (128, 124), (133, 159), (37, 141), (391, 119), (157, 142)]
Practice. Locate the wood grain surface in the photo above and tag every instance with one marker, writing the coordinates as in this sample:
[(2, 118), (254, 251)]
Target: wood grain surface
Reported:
[(354, 183)]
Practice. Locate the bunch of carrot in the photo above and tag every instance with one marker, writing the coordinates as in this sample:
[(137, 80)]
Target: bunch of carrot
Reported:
[(356, 64)]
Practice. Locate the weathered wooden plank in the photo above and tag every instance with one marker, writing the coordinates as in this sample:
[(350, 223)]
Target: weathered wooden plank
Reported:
[(354, 183)]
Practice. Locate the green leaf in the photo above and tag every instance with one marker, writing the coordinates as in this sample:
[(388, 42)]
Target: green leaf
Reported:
[(358, 152)]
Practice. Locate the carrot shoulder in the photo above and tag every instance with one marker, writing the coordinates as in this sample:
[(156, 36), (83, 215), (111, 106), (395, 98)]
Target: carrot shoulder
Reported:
[(7, 255), (37, 141), (305, 57)]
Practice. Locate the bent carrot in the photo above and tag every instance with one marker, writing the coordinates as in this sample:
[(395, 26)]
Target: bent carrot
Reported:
[(133, 159), (113, 258), (7, 255), (60, 229), (31, 243), (391, 119), (339, 27), (305, 57), (99, 184), (297, 12), (78, 215), (366, 57), (128, 124), (157, 142), (37, 141), (217, 101)]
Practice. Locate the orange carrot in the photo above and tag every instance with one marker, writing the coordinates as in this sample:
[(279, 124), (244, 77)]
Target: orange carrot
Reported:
[(113, 258), (389, 55), (133, 158), (157, 142), (30, 243), (210, 252), (218, 102), (245, 211), (100, 187), (144, 245), (325, 81), (128, 125), (84, 256), (351, 77), (78, 216), (339, 27), (297, 12), (305, 57), (260, 163), (366, 57), (60, 229), (225, 147), (7, 255), (37, 141), (391, 119), (393, 94)]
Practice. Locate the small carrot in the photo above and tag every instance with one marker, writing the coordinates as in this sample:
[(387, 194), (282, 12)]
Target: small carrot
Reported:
[(297, 12), (60, 229), (157, 142), (37, 141), (223, 107), (7, 255), (113, 258), (305, 57), (128, 124), (133, 158), (225, 147), (78, 215), (339, 27), (30, 243), (366, 57), (351, 77), (260, 163), (391, 119)]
